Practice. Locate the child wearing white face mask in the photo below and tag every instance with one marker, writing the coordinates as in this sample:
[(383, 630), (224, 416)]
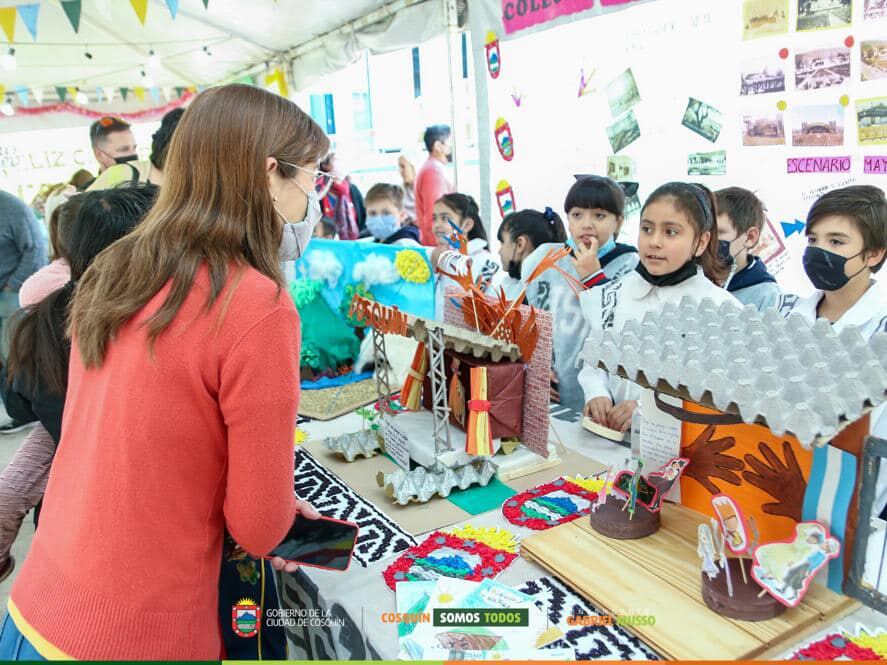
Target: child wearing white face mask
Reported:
[(386, 217)]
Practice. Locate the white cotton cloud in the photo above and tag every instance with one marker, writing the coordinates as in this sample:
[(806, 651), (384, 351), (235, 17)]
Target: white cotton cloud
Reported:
[(324, 266), (376, 270)]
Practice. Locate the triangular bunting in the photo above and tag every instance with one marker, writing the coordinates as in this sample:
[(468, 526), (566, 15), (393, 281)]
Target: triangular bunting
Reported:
[(2, 89), (72, 11), (72, 91), (7, 22), (109, 93), (167, 93), (22, 93), (276, 79), (29, 17), (192, 89), (155, 94), (99, 94), (139, 93), (205, 3), (201, 88), (38, 94), (124, 92), (141, 9), (173, 6), (62, 93), (179, 91)]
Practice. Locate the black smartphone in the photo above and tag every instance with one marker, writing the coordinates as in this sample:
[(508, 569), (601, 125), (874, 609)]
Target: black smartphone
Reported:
[(322, 543)]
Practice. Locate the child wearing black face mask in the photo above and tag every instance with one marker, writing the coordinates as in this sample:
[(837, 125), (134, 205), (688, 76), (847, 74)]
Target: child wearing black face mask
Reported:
[(526, 237), (846, 244), (677, 243)]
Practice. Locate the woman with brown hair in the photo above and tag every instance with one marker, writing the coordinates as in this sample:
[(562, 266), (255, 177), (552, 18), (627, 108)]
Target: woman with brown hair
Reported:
[(182, 397)]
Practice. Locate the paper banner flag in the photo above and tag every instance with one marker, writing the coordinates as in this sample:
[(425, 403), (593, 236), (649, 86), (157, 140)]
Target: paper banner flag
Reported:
[(179, 91), (167, 93), (173, 6), (139, 93), (99, 94), (62, 93), (205, 3), (38, 94), (72, 91), (141, 9), (109, 93), (29, 17), (7, 22), (201, 88), (278, 78), (155, 94), (124, 92), (192, 89), (72, 11), (22, 93), (2, 89)]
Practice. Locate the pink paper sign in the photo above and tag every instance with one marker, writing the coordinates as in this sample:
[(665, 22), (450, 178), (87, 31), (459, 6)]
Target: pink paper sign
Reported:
[(521, 14), (875, 164), (819, 164)]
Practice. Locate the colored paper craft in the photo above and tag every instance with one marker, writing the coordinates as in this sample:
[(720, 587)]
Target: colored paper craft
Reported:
[(732, 523), (551, 504), (785, 569), (449, 555), (819, 164)]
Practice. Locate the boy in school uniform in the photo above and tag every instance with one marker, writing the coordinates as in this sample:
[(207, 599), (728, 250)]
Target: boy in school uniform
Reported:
[(740, 223), (847, 244), (386, 217)]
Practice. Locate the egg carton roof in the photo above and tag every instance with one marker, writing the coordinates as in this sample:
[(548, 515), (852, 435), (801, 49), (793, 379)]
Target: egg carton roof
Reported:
[(464, 340), (784, 373)]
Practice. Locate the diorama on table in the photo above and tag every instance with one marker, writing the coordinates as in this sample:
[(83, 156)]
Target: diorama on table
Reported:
[(474, 403), (771, 416)]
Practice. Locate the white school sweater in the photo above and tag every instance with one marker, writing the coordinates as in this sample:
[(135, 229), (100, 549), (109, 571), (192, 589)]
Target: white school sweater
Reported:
[(612, 304), (868, 316)]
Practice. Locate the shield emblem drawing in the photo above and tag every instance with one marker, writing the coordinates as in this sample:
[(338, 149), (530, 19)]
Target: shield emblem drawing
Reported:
[(245, 618)]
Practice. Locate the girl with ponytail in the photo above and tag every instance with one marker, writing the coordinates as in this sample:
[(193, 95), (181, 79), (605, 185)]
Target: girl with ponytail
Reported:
[(678, 247)]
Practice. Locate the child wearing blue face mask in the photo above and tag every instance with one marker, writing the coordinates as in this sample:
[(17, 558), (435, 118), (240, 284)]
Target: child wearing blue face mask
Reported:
[(386, 217), (595, 206)]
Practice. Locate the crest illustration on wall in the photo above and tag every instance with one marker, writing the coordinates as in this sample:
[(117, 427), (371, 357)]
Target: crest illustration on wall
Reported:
[(504, 140), (505, 198), (494, 61)]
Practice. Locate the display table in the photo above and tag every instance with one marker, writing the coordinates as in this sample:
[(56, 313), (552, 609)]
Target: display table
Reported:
[(348, 607)]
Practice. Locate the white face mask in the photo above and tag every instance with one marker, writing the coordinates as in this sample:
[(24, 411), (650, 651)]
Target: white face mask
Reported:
[(297, 235)]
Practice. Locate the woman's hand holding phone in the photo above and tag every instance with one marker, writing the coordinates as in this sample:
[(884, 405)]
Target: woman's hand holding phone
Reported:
[(309, 512)]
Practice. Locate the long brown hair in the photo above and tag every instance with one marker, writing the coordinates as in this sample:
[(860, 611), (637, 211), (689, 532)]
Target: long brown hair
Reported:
[(214, 208), (700, 206)]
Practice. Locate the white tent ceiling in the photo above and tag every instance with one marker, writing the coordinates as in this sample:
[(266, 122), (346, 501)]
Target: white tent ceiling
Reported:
[(238, 33)]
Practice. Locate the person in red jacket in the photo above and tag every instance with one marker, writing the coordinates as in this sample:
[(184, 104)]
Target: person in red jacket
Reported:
[(432, 181), (182, 395)]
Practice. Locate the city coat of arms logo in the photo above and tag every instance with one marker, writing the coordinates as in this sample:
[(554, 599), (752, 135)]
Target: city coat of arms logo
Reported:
[(245, 617)]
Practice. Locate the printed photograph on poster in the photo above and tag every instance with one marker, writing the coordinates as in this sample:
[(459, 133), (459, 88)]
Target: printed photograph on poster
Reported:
[(873, 59), (871, 121), (822, 14), (763, 129), (762, 18), (822, 68), (707, 163), (622, 93), (818, 125), (632, 205), (621, 168), (761, 76), (874, 9), (624, 132), (703, 119), (770, 246)]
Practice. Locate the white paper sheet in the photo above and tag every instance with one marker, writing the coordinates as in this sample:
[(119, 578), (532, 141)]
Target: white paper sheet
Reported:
[(660, 437)]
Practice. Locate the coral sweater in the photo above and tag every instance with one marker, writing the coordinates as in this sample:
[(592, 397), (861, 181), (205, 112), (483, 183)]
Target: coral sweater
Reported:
[(157, 457)]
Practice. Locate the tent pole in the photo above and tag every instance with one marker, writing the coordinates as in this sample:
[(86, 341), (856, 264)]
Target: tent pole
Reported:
[(454, 55)]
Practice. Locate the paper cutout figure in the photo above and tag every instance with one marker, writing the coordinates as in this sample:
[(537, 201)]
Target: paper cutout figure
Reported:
[(505, 198), (785, 569), (718, 537), (494, 62), (645, 494), (504, 140), (665, 477), (732, 523), (706, 551)]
